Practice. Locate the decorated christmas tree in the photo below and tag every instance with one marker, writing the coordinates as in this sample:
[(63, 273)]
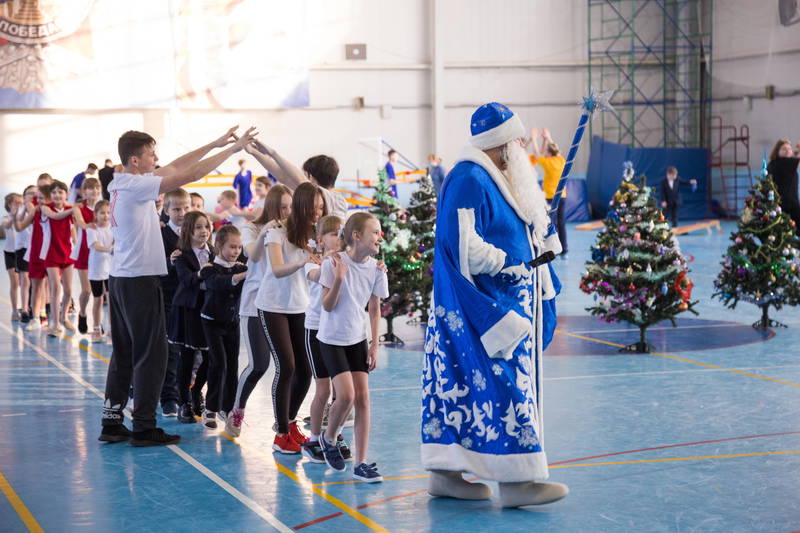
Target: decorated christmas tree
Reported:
[(422, 221), (637, 273), (400, 255), (762, 266)]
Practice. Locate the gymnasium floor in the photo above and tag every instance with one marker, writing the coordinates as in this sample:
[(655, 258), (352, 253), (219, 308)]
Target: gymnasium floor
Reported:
[(703, 435)]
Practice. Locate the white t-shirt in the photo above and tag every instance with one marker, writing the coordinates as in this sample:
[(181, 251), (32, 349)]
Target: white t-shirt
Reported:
[(255, 272), (99, 262), (314, 298), (10, 244), (344, 326), (288, 294), (335, 203), (134, 222), (23, 238)]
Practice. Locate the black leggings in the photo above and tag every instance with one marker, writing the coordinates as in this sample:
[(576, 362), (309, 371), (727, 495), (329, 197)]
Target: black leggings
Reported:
[(185, 367), (286, 339), (223, 364), (257, 356)]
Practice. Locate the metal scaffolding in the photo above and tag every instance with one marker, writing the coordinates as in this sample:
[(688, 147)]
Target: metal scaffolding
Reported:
[(657, 55)]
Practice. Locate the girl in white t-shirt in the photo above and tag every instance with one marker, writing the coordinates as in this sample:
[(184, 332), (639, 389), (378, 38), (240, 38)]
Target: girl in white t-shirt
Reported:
[(327, 241), (351, 279), (100, 240), (12, 203), (278, 206), (282, 300)]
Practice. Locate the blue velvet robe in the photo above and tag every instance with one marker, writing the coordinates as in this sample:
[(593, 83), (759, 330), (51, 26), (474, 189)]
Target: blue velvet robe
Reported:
[(491, 317)]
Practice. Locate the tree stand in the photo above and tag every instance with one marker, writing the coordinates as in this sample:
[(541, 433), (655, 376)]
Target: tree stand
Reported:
[(765, 321), (389, 337), (641, 346)]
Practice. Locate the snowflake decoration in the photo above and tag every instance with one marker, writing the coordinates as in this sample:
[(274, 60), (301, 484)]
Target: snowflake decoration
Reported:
[(454, 322), (527, 437), (466, 442), (478, 380), (497, 369), (439, 311), (433, 428)]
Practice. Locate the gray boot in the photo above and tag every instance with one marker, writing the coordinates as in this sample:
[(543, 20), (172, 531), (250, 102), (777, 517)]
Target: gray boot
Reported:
[(531, 493), (448, 484)]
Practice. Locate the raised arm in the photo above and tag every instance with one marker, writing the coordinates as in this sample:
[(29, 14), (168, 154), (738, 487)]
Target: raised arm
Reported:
[(186, 161), (534, 143), (285, 172), (202, 168)]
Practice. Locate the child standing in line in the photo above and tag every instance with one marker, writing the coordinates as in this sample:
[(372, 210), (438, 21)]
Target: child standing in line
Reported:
[(261, 189), (23, 242), (198, 203), (36, 269), (282, 301), (220, 318), (328, 241), (100, 240), (227, 211), (351, 279), (186, 329), (84, 219), (57, 262), (12, 203), (278, 206)]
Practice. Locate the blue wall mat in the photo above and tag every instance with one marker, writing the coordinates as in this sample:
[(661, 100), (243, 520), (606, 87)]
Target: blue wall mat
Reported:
[(605, 172)]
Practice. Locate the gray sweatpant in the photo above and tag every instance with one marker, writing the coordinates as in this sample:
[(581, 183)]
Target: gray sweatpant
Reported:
[(139, 353)]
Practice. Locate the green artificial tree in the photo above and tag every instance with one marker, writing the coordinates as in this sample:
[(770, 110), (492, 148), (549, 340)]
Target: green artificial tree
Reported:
[(762, 266), (399, 254), (637, 273), (422, 220)]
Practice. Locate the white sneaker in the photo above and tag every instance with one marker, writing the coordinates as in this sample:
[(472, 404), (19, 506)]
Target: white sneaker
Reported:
[(209, 419), (233, 423), (97, 335), (33, 325), (69, 326)]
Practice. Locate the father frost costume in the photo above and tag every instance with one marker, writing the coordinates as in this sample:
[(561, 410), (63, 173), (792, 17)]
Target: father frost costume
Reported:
[(492, 316)]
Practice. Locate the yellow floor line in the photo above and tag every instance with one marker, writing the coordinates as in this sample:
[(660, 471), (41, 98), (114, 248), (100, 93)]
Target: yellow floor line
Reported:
[(19, 506), (684, 360), (669, 459)]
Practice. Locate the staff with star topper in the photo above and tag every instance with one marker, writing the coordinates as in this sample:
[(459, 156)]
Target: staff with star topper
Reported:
[(493, 313)]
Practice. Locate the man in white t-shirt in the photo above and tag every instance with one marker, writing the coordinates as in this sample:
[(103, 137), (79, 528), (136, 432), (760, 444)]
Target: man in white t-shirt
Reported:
[(320, 170), (138, 332)]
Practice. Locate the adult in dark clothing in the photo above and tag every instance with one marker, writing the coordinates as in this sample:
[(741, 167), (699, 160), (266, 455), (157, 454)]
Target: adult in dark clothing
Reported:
[(671, 194), (106, 174), (783, 168)]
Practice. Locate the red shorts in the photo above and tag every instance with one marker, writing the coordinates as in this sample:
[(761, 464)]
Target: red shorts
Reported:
[(54, 264), (36, 270), (82, 263)]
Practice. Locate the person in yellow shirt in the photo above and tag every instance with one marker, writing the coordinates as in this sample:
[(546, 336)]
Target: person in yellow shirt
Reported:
[(547, 155)]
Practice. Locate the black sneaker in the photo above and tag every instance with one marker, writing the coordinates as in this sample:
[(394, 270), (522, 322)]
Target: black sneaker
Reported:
[(154, 437), (83, 327), (169, 408), (344, 448), (186, 415), (25, 317), (115, 433), (312, 451), (333, 456), (367, 473)]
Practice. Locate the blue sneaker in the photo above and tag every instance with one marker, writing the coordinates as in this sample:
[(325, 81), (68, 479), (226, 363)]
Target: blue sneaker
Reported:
[(367, 473), (333, 456)]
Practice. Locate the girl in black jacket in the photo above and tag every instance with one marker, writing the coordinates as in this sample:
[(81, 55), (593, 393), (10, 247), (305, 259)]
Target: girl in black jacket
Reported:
[(220, 318), (783, 168), (186, 329)]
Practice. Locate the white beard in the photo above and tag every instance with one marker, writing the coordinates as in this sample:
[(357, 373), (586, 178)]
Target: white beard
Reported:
[(524, 184)]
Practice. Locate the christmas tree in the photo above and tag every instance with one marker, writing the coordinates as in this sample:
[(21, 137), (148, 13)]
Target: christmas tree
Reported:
[(762, 266), (637, 273), (422, 220), (400, 255)]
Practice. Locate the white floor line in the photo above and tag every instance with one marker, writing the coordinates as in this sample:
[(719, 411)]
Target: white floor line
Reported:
[(15, 414), (245, 500)]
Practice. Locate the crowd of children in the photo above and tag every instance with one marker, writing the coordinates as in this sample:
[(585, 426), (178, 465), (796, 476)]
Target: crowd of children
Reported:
[(280, 268)]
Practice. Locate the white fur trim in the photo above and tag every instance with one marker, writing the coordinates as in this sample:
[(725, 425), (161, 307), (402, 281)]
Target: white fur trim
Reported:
[(474, 253), (474, 155), (499, 135), (552, 244), (505, 468), (501, 339)]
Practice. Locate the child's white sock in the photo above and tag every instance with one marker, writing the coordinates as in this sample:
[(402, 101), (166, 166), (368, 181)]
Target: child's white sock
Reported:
[(313, 438)]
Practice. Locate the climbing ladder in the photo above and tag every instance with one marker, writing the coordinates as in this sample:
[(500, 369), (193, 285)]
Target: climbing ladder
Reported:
[(731, 177)]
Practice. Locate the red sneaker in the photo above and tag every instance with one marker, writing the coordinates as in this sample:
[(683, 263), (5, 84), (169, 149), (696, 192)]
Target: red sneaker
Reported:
[(285, 444), (296, 434)]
